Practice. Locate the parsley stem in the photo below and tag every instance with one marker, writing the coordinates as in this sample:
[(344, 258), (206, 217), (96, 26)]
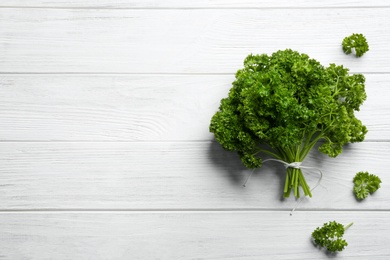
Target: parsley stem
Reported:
[(296, 182), (305, 186), (286, 183), (347, 226)]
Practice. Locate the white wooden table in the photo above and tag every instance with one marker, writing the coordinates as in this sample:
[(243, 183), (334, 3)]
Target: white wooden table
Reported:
[(104, 145)]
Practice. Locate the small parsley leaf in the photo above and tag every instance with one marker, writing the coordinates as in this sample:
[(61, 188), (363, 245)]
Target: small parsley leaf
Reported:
[(355, 41), (365, 184)]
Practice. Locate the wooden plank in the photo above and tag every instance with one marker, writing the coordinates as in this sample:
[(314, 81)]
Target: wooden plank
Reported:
[(192, 4), (182, 41), (136, 107), (187, 235), (183, 175), (109, 107)]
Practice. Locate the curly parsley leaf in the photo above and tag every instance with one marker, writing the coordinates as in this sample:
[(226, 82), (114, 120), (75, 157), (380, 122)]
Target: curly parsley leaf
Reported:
[(365, 184), (355, 42), (330, 236)]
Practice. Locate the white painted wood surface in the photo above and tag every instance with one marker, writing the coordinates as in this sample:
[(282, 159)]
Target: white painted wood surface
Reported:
[(104, 145), (36, 40), (187, 235), (204, 4), (174, 175)]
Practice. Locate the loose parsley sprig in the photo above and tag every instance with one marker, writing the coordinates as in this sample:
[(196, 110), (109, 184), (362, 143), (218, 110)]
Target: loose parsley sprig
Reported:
[(330, 236), (364, 184), (357, 42)]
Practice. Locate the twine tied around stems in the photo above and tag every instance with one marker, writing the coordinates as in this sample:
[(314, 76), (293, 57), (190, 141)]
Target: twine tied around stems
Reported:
[(296, 165)]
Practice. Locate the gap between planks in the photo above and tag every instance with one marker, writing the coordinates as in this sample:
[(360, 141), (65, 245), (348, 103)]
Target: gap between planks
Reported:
[(198, 8), (170, 210), (153, 73), (142, 141)]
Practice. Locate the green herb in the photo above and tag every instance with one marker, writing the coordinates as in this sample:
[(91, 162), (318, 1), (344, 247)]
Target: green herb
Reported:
[(365, 184), (355, 41), (282, 105), (330, 236)]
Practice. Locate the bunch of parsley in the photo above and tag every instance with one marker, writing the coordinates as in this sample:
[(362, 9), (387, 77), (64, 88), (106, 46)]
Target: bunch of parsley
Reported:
[(283, 104)]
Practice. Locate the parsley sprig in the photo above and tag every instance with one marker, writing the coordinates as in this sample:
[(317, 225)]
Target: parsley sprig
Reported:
[(330, 236), (364, 184), (356, 42)]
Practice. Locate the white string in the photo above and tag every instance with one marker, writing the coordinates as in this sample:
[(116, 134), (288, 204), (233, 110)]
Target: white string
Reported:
[(247, 178), (296, 165)]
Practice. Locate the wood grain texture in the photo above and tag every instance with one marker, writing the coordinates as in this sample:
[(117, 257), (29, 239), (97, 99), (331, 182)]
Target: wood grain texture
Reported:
[(137, 107), (182, 41), (109, 107), (184, 175), (187, 235), (104, 145), (192, 4)]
